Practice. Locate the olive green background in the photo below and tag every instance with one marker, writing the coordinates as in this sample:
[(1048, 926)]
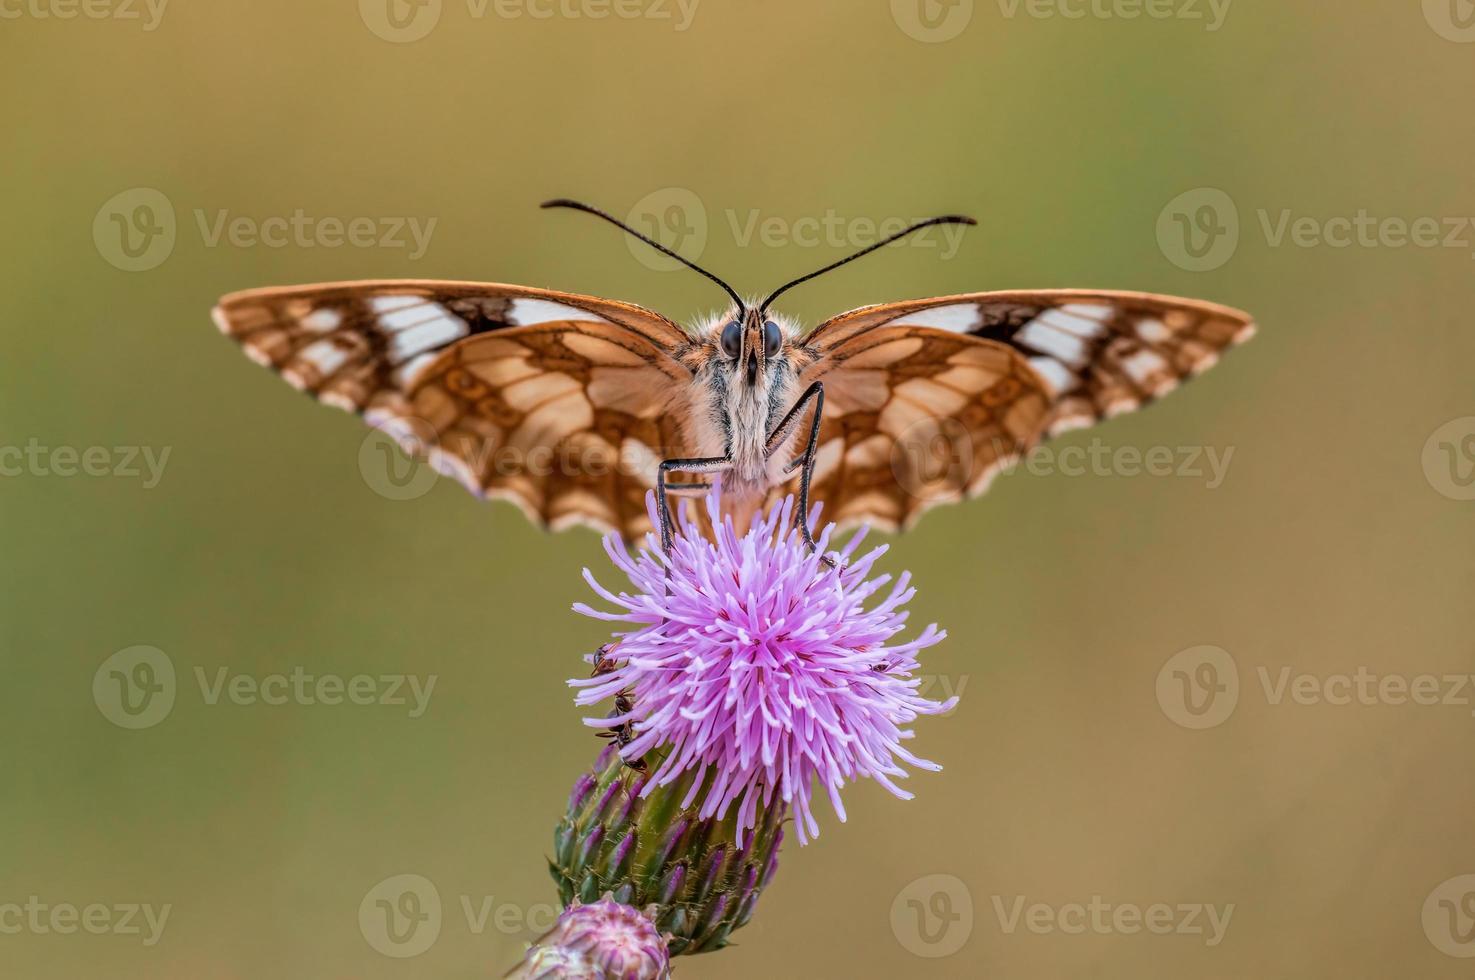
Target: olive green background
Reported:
[(1329, 546)]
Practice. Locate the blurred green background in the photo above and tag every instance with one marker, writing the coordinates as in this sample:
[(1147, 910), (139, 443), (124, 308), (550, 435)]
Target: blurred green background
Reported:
[(1338, 540)]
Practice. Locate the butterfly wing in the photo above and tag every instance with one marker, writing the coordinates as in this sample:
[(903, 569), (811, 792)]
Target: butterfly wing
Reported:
[(562, 404), (927, 400)]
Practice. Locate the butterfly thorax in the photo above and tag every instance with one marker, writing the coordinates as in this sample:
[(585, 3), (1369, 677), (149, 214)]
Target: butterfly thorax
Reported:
[(738, 407), (750, 415)]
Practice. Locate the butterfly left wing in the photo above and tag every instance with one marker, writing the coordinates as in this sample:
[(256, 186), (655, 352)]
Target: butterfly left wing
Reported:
[(562, 404), (927, 400)]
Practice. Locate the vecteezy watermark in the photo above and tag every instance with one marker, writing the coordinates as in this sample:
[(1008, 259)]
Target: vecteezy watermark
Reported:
[(40, 918), (941, 687), (673, 216), (403, 21), (1101, 917), (1209, 464), (137, 688), (932, 916), (144, 463), (299, 687), (1199, 230), (1453, 20), (402, 916), (1449, 459), (401, 459), (1211, 12), (1200, 688), (147, 13), (933, 458), (136, 230), (392, 458), (934, 21), (834, 230), (1449, 916), (678, 219)]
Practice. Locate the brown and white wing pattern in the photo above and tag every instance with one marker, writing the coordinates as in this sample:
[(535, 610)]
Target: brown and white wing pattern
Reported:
[(559, 403), (915, 416), (927, 400)]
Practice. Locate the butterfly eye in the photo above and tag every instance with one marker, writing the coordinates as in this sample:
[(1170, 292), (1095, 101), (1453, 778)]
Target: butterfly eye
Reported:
[(732, 339), (772, 339)]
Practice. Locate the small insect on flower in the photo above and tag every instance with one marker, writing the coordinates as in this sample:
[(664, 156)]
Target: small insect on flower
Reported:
[(756, 665), (624, 706)]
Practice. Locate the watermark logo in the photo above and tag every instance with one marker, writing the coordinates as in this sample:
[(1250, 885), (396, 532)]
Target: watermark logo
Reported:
[(400, 21), (1198, 688), (835, 230), (299, 687), (1212, 12), (38, 917), (1366, 688), (1104, 918), (1208, 465), (678, 219), (134, 688), (1198, 231), (932, 21), (401, 916), (145, 463), (673, 216), (1449, 459), (404, 21), (1449, 917), (942, 687), (932, 917), (390, 458), (401, 458), (1453, 20), (134, 230), (149, 12), (933, 459), (679, 13)]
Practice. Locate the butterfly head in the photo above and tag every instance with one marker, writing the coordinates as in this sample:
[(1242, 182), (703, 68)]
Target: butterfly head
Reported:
[(745, 342)]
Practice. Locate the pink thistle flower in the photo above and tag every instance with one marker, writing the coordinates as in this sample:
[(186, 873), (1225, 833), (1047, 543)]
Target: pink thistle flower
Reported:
[(757, 664), (603, 940)]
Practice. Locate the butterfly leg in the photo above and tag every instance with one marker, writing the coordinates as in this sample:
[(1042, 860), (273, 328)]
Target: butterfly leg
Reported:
[(814, 393), (687, 489), (713, 464)]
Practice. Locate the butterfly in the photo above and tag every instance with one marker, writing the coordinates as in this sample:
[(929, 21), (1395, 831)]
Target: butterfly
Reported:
[(574, 407)]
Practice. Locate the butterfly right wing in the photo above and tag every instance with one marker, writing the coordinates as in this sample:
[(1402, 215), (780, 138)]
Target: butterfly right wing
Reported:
[(926, 400), (562, 404), (1101, 353)]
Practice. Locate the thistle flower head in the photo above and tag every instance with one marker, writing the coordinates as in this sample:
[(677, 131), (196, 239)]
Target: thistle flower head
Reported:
[(603, 940), (692, 877), (758, 666)]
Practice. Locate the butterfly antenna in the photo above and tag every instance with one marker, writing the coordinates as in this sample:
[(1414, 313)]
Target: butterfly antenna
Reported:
[(949, 219), (564, 202)]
